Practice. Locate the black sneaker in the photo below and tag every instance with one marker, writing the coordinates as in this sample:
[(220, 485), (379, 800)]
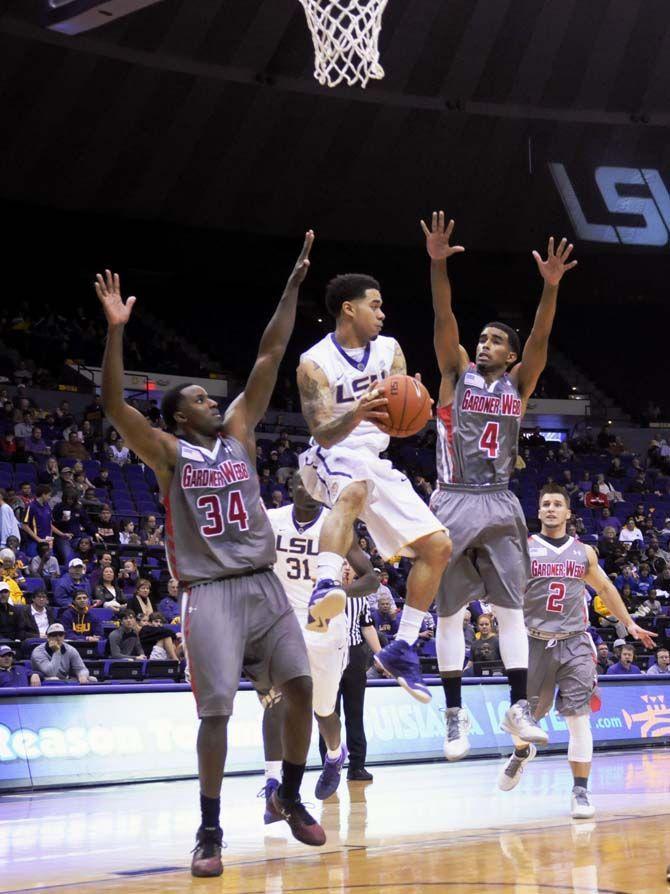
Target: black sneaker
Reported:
[(303, 826), (206, 862), (360, 775)]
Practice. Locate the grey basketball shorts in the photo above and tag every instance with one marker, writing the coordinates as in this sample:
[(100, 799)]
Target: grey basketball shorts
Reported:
[(240, 624), (566, 664), (489, 558)]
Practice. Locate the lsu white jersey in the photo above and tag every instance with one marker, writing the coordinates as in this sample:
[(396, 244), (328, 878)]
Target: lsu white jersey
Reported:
[(297, 552), (350, 377)]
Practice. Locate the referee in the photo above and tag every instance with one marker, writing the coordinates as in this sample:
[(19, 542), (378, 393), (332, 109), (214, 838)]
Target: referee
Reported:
[(362, 638)]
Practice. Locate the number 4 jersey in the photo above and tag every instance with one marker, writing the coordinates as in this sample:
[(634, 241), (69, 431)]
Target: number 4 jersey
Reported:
[(297, 547), (478, 433), (216, 525), (555, 600)]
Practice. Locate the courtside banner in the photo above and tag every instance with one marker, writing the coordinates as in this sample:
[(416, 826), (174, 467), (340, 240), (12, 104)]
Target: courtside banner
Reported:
[(74, 736)]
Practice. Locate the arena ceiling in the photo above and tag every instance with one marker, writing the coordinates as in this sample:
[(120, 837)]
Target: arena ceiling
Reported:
[(205, 112)]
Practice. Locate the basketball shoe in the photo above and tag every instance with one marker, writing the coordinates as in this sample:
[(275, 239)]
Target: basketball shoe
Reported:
[(270, 787), (582, 806), (456, 741), (330, 775), (206, 862), (518, 721), (328, 600), (509, 776), (400, 661), (303, 826)]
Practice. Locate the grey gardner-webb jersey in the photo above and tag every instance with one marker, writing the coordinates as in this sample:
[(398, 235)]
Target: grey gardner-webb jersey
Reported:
[(478, 433), (555, 599), (216, 525)]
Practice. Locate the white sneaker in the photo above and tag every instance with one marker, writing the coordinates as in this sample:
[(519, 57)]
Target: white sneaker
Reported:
[(456, 741), (582, 806), (518, 721), (510, 774)]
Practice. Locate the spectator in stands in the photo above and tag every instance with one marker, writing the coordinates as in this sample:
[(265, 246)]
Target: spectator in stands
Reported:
[(604, 661), (128, 577), (586, 483), (10, 616), (71, 582), (73, 448), (67, 479), (124, 642), (91, 503), (12, 575), (277, 499), (103, 480), (106, 560), (26, 495), (76, 619), (645, 579), (158, 640), (625, 663), (151, 531), (94, 415), (650, 607), (87, 554), (118, 452), (21, 560), (24, 425), (569, 484), (141, 602), (35, 445), (9, 526), (38, 523), (639, 484), (486, 646), (22, 374), (595, 499), (385, 619), (36, 617), (628, 576), (51, 475), (606, 488), (44, 564), (8, 446), (662, 665), (630, 532), (127, 533), (170, 606), (607, 520), (57, 660), (105, 531), (89, 438), (565, 453), (616, 471), (72, 522), (107, 593), (63, 417), (15, 674), (287, 460)]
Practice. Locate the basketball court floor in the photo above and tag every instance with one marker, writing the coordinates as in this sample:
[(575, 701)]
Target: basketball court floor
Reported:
[(438, 828)]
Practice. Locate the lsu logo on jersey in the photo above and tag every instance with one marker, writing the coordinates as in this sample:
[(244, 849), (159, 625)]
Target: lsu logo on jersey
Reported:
[(300, 546), (348, 392)]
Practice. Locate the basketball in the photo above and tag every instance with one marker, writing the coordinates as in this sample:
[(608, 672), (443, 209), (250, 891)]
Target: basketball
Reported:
[(409, 405)]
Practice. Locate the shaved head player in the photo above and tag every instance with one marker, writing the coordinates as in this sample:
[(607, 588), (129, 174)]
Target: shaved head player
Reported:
[(221, 547), (480, 409)]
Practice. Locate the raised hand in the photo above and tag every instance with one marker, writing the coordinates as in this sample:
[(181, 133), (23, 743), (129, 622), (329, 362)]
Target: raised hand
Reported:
[(556, 265), (645, 636), (108, 290), (302, 264), (438, 236)]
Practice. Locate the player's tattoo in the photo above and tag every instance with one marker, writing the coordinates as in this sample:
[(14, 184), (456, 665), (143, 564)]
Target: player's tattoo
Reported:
[(399, 365), (314, 396)]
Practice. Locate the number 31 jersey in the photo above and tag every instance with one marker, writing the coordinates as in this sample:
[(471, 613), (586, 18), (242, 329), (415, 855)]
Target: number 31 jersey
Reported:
[(478, 433), (297, 552)]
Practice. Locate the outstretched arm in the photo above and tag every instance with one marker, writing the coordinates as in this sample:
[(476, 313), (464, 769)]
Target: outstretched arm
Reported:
[(609, 594), (154, 447), (445, 332), (248, 409), (534, 357)]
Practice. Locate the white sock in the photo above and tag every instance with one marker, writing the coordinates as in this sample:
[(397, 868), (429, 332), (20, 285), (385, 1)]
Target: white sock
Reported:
[(329, 567), (334, 755), (273, 770), (410, 624)]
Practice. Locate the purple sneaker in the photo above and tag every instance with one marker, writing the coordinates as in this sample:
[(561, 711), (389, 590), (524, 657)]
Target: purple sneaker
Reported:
[(328, 600), (330, 776), (271, 786), (400, 661)]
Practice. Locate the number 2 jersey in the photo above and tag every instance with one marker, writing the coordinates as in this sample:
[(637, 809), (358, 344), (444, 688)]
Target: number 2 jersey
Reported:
[(478, 433), (297, 546), (555, 600), (216, 525)]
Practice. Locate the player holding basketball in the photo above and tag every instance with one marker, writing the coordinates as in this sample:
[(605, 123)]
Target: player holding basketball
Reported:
[(478, 419), (220, 547), (342, 468), (562, 653), (297, 528)]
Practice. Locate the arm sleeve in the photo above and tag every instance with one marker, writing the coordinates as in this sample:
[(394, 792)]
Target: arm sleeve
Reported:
[(76, 662), (42, 663), (115, 646), (365, 618)]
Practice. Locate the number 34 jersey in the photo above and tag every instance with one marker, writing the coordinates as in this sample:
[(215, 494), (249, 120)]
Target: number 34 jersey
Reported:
[(297, 547), (478, 433), (555, 599)]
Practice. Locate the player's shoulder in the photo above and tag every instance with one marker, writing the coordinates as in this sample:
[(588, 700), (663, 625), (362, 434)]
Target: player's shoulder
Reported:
[(319, 349), (279, 515)]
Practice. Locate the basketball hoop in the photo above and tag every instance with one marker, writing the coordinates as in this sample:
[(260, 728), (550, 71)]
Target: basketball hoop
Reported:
[(345, 34)]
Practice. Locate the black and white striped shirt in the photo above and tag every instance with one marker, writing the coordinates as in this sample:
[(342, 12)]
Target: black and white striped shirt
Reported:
[(358, 615)]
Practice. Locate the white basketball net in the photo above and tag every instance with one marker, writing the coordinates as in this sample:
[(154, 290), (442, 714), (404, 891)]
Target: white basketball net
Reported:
[(345, 34)]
